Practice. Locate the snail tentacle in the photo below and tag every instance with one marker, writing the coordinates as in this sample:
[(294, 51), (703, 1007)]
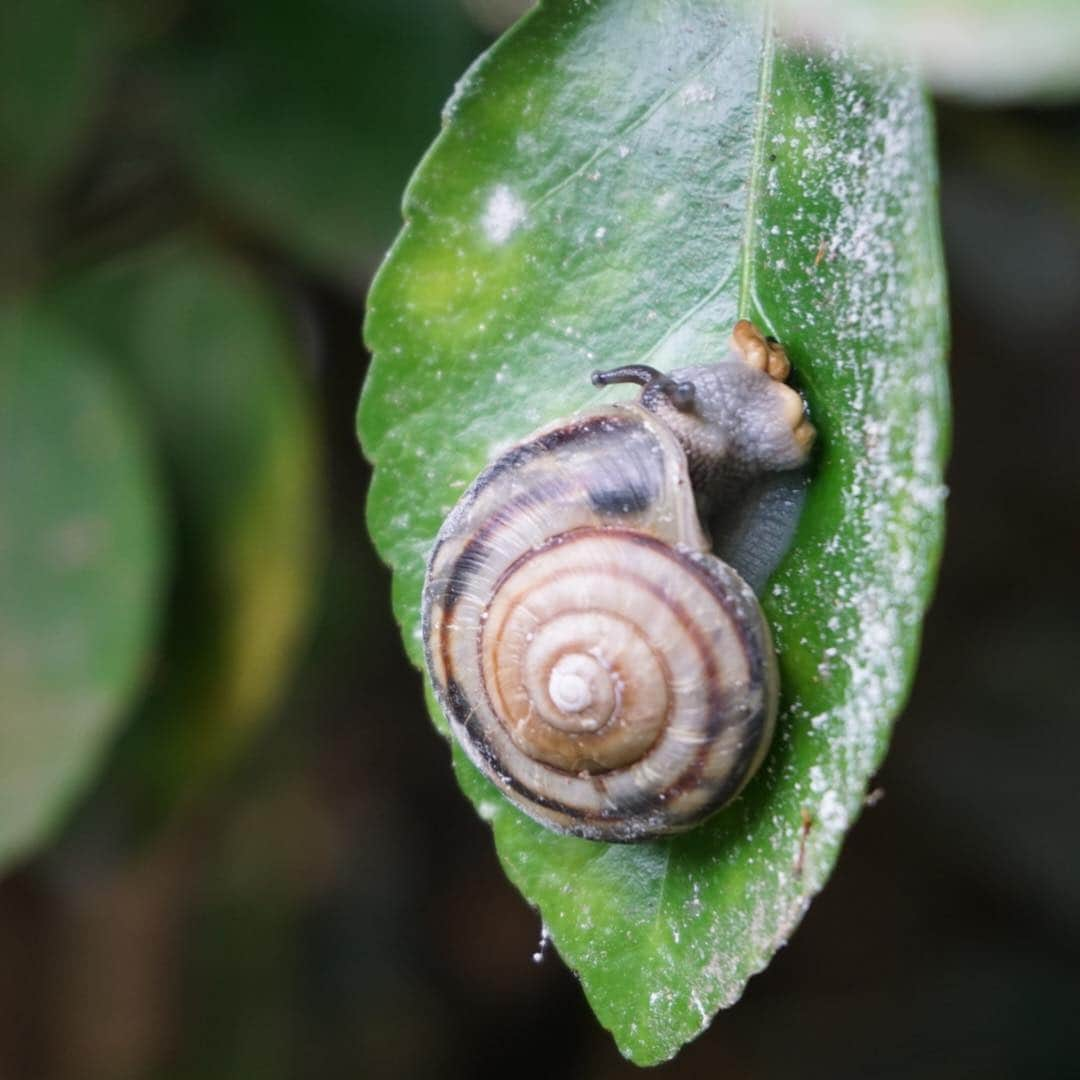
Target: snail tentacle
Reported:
[(679, 392)]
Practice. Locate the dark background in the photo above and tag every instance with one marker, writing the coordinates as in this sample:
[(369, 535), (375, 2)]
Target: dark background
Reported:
[(331, 905)]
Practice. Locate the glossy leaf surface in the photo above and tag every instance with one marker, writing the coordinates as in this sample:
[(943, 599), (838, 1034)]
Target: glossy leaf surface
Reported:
[(82, 548), (617, 183)]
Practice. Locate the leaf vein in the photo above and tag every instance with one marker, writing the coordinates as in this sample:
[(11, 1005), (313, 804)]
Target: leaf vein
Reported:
[(631, 125), (687, 315)]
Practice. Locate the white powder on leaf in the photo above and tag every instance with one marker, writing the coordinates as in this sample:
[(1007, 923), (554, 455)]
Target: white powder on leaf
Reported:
[(503, 213)]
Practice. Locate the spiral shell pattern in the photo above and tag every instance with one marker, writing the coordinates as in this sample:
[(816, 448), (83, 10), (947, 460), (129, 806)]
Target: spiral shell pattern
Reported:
[(611, 676)]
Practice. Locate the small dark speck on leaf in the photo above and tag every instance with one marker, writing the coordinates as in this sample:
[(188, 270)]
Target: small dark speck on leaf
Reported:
[(807, 825)]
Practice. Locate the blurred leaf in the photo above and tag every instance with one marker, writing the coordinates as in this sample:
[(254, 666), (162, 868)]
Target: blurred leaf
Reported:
[(307, 118), (209, 354), (81, 557), (52, 77), (989, 49), (569, 218)]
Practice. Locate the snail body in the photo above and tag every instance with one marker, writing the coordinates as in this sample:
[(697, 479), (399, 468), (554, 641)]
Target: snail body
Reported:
[(613, 677)]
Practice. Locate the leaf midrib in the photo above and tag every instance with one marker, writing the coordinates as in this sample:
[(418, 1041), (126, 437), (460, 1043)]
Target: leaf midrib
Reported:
[(757, 166)]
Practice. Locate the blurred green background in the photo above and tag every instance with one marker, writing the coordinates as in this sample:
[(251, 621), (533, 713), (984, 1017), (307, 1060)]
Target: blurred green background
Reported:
[(231, 844)]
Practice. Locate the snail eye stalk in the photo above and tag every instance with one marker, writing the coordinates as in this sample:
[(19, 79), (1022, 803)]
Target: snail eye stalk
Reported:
[(641, 374), (680, 394)]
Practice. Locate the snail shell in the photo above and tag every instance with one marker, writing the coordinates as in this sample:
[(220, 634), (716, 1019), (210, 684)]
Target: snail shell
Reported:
[(613, 677)]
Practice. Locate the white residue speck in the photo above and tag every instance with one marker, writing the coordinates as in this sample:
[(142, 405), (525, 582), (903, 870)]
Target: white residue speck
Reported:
[(696, 93), (541, 948), (502, 215), (704, 1013), (831, 813)]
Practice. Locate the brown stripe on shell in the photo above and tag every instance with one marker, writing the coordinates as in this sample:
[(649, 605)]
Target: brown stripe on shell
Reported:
[(475, 732), (586, 429), (626, 500), (461, 711), (479, 544)]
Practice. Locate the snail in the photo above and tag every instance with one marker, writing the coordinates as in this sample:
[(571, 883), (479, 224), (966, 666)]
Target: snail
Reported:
[(612, 676)]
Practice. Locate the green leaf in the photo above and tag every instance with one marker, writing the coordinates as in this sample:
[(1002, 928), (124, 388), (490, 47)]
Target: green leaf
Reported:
[(306, 119), (990, 49), (81, 555), (573, 215), (211, 358)]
